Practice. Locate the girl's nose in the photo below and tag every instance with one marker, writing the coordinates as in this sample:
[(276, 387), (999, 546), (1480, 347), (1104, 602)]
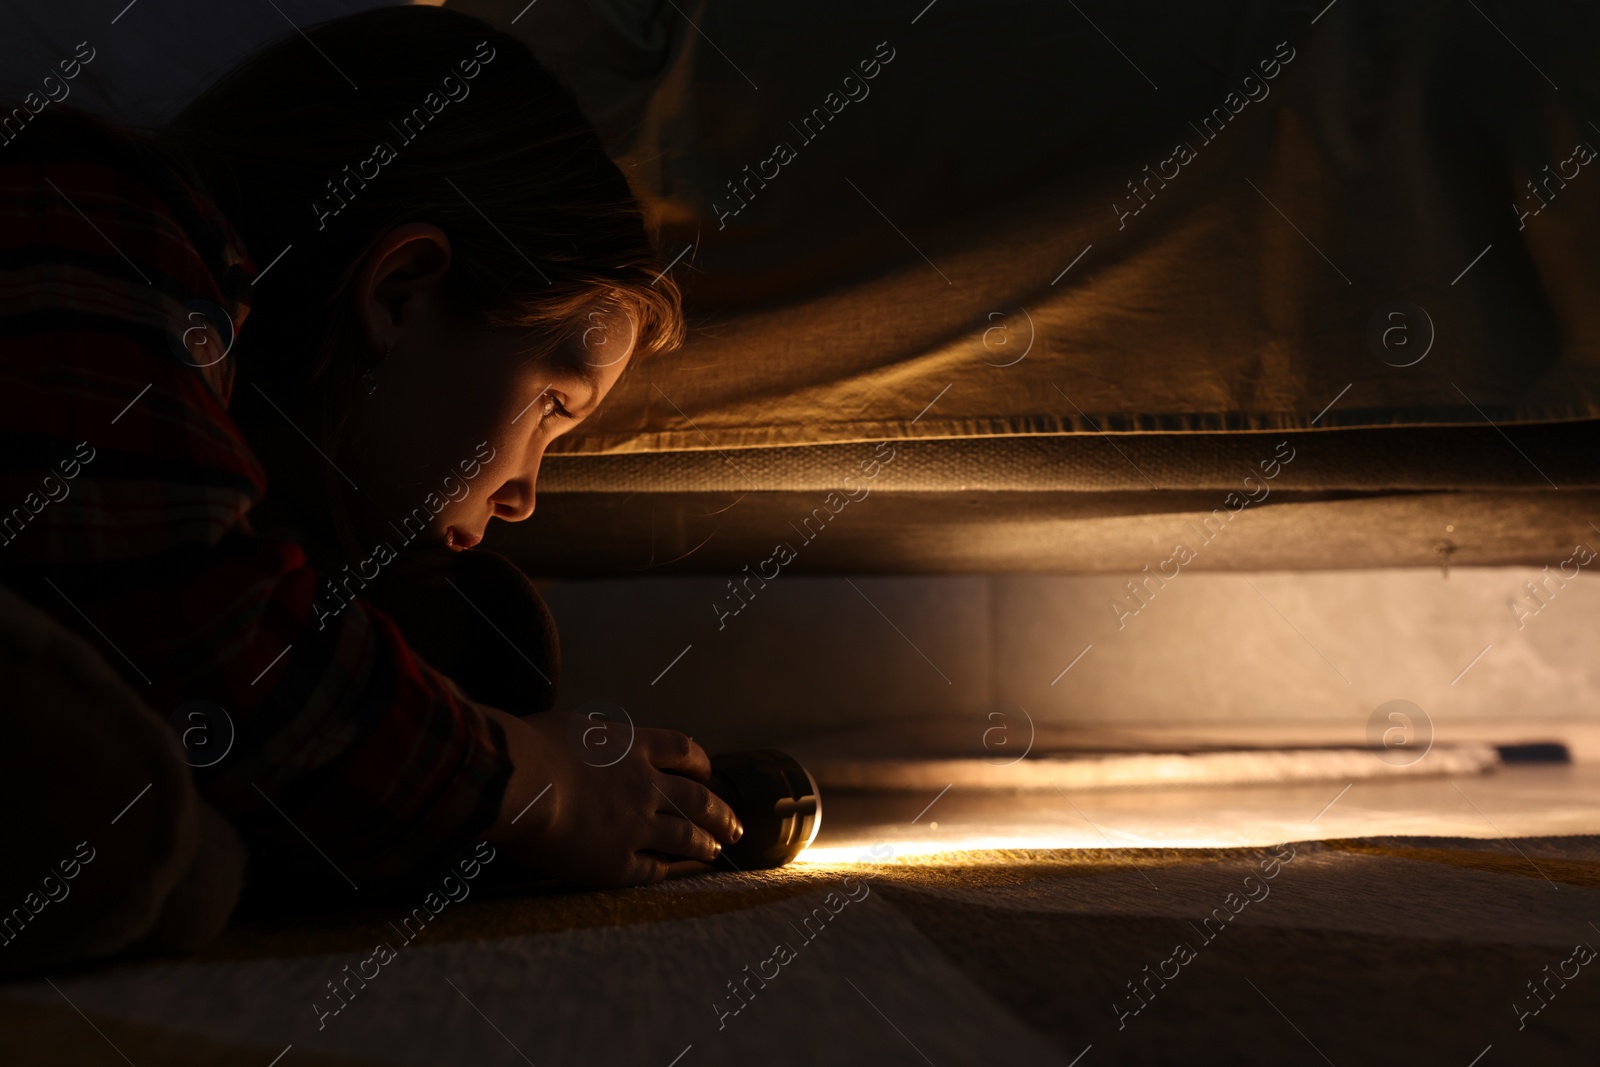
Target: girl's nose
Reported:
[(514, 500)]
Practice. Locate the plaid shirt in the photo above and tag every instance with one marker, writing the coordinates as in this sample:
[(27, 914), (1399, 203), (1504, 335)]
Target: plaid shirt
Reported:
[(125, 493)]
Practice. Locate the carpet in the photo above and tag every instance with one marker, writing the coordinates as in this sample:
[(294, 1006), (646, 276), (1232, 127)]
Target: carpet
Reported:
[(1370, 951)]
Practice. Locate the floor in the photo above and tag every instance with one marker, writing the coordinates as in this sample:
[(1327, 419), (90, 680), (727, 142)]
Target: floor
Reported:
[(1405, 922)]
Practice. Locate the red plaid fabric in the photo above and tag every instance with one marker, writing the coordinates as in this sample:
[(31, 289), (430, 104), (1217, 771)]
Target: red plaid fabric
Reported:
[(125, 493)]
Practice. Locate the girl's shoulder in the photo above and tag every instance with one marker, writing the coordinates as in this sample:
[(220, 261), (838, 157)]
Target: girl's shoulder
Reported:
[(121, 293), (156, 251)]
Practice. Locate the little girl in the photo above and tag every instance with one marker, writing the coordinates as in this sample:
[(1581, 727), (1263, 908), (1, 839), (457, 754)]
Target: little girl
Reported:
[(441, 272)]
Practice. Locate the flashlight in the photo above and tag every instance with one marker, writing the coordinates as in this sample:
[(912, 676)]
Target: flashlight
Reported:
[(777, 802)]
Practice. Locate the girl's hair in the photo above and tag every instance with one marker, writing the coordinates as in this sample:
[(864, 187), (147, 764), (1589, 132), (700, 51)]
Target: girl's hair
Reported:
[(477, 138)]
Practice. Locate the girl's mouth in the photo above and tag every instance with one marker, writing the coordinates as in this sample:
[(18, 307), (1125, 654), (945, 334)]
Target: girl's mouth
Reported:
[(460, 540)]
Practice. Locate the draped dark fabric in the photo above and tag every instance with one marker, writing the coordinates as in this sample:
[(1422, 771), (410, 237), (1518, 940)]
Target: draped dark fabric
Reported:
[(1035, 219)]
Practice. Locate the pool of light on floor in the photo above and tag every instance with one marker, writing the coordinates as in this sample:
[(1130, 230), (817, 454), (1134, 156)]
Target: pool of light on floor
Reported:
[(956, 844), (1534, 800)]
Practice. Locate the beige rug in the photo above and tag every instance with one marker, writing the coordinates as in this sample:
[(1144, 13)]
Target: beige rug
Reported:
[(1412, 951)]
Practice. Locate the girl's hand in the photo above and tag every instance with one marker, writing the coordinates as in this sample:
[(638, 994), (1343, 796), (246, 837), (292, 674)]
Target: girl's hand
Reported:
[(606, 820)]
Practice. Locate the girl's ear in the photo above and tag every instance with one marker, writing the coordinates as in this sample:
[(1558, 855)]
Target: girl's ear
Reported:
[(404, 263)]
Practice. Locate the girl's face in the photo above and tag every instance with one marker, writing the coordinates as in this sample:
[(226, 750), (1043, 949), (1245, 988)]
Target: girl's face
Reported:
[(453, 434)]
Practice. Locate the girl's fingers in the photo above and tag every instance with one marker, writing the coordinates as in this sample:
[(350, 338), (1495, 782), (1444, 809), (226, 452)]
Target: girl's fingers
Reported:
[(680, 868), (699, 805), (669, 750), (648, 868), (679, 838)]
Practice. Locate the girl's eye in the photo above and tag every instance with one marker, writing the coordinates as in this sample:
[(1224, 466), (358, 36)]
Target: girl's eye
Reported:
[(552, 407)]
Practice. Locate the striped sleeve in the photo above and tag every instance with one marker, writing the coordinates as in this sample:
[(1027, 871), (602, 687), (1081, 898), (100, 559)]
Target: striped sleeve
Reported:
[(125, 491)]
